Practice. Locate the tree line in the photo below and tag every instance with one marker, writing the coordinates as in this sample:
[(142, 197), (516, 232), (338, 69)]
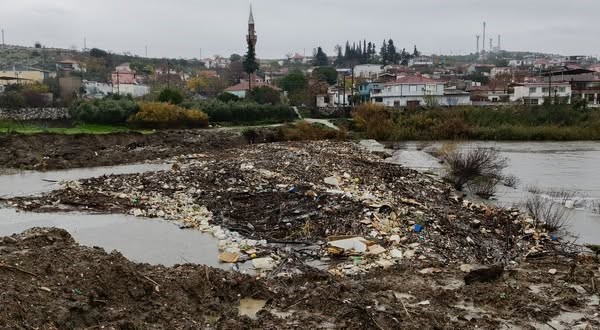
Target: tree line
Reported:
[(363, 52)]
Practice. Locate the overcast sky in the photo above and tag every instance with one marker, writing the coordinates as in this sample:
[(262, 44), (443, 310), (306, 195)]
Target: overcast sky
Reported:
[(180, 28)]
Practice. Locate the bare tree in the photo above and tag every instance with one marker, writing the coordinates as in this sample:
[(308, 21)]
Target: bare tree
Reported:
[(547, 213), (464, 167)]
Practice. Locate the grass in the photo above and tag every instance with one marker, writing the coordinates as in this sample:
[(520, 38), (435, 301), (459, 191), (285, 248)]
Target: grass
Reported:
[(25, 128)]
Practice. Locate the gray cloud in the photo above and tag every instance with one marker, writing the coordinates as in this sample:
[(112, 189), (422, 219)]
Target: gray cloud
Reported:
[(180, 28)]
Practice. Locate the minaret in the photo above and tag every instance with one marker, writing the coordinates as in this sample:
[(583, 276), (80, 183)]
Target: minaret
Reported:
[(251, 37)]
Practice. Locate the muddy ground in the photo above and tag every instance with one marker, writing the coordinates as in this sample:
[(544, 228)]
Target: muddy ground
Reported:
[(59, 151), (435, 260), (49, 282)]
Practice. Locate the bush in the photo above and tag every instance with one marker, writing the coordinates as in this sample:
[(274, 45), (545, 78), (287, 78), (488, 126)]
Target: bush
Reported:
[(12, 100), (547, 213), (304, 131), (164, 115), (227, 97), (244, 112), (105, 111), (265, 95), (478, 164), (375, 120), (172, 96)]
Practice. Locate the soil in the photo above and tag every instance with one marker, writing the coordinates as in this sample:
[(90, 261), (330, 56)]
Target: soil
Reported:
[(59, 151), (50, 282), (296, 195)]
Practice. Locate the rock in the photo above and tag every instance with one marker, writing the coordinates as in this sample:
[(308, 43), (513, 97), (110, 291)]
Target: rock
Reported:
[(396, 254), (332, 181), (357, 244), (430, 271), (484, 274), (395, 239), (466, 268), (263, 263), (376, 250), (552, 271)]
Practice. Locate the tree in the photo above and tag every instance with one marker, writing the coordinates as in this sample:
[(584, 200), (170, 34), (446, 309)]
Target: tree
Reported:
[(340, 57), (250, 63), (234, 73), (391, 52), (169, 95), (96, 52), (228, 97), (235, 58), (265, 95), (321, 58), (38, 44), (416, 53), (206, 84), (294, 81), (384, 53), (326, 73)]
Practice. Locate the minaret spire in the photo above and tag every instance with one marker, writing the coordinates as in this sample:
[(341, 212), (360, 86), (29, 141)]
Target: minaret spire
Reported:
[(252, 38), (251, 19)]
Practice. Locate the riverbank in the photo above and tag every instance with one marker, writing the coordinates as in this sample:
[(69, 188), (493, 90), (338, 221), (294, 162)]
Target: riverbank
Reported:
[(338, 238)]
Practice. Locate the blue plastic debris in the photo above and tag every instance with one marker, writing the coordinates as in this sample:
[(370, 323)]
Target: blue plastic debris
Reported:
[(293, 190), (418, 228)]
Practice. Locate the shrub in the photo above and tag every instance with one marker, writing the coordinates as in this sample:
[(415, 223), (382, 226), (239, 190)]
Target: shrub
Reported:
[(546, 212), (107, 111), (265, 95), (474, 164), (12, 100), (164, 115), (169, 95), (304, 131), (244, 112), (484, 187), (510, 181), (227, 97), (374, 119)]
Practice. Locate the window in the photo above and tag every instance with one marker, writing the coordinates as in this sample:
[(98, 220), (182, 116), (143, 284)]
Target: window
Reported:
[(412, 88), (532, 89), (397, 104), (531, 102), (545, 90), (562, 89)]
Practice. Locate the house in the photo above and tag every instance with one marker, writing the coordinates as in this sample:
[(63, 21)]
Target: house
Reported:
[(534, 93), (94, 89), (123, 74), (500, 71), (135, 90), (367, 71), (489, 94), (421, 61), (418, 90), (480, 69), (242, 88), (585, 83), (23, 75), (69, 66), (335, 97), (366, 90), (529, 62)]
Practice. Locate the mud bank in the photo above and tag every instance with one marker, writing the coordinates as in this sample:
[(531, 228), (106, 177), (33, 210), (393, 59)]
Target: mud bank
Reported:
[(58, 151), (48, 281)]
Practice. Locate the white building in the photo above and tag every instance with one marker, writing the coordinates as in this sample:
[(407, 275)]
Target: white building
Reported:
[(131, 89), (500, 71), (535, 93), (97, 89), (367, 71), (528, 62), (421, 61), (417, 91)]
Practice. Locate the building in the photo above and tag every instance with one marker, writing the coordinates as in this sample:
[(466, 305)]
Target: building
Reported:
[(94, 89), (135, 90), (240, 90), (534, 93), (480, 69), (367, 71), (417, 90), (421, 61), (123, 74), (489, 94), (528, 62), (366, 90), (500, 71), (23, 75), (69, 66)]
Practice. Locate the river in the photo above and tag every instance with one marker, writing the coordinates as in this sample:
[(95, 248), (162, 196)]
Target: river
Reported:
[(570, 166)]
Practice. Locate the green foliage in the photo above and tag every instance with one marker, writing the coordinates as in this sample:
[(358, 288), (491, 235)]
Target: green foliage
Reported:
[(294, 81), (265, 95), (250, 63), (106, 111), (326, 73), (96, 52), (165, 115), (321, 58), (12, 100), (228, 97), (235, 57), (553, 122), (374, 119), (169, 95), (244, 112)]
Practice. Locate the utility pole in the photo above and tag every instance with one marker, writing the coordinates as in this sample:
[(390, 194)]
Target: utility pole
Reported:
[(352, 89), (3, 44), (484, 37), (146, 47), (118, 84), (84, 43), (477, 36), (168, 74), (344, 84)]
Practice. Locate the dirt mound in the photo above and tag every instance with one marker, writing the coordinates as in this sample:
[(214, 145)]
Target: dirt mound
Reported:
[(50, 282), (59, 151)]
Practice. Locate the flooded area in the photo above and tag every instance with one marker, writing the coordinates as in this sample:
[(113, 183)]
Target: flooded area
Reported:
[(571, 166), (27, 183), (136, 238)]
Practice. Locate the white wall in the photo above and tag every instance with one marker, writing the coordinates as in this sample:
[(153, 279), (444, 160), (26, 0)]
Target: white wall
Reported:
[(134, 90)]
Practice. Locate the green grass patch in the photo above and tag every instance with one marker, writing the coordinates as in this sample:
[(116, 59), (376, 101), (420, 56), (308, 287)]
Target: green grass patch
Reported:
[(7, 127)]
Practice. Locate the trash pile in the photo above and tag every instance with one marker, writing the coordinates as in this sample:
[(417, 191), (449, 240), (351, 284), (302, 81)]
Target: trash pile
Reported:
[(271, 203)]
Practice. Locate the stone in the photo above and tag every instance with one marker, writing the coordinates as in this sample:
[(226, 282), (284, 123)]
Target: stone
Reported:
[(552, 271), (396, 254), (332, 181)]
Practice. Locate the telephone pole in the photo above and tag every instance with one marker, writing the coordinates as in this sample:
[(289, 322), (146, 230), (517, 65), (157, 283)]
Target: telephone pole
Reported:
[(146, 51), (3, 44)]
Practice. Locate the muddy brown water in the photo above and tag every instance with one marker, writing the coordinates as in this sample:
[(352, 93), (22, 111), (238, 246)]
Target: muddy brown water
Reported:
[(571, 166), (26, 183), (152, 241)]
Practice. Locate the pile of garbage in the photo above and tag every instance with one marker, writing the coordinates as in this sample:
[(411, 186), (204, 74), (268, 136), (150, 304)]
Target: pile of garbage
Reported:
[(272, 203)]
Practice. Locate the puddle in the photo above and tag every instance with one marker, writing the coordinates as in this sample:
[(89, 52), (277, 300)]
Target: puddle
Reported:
[(250, 307), (27, 183), (141, 240)]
